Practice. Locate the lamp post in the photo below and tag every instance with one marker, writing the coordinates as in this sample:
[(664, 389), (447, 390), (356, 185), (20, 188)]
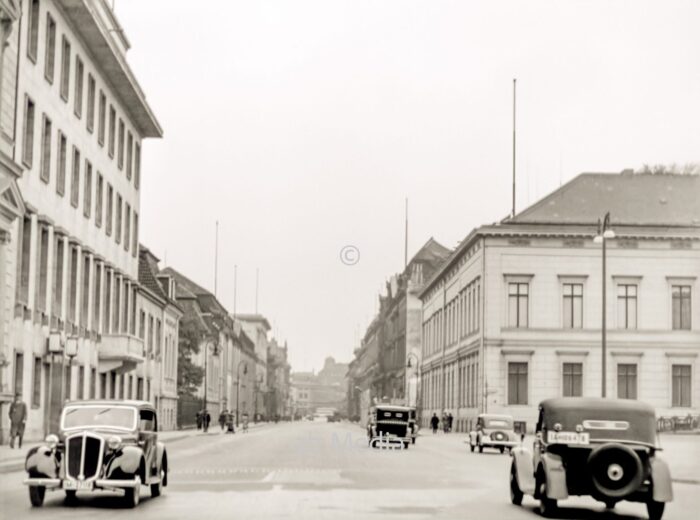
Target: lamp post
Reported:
[(604, 233), (206, 367), (238, 384)]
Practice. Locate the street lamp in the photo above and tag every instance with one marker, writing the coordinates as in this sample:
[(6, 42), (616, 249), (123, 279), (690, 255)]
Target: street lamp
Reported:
[(238, 384), (604, 233), (206, 363)]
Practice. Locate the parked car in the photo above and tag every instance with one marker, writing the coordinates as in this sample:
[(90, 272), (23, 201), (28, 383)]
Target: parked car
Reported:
[(493, 431), (604, 448), (388, 424), (100, 445)]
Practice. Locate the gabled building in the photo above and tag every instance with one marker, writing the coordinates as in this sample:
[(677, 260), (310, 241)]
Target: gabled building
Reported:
[(256, 328), (514, 316), (278, 370)]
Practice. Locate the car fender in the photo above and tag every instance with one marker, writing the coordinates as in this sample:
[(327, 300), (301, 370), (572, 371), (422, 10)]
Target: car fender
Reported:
[(555, 473), (41, 461), (125, 463), (661, 480), (524, 470)]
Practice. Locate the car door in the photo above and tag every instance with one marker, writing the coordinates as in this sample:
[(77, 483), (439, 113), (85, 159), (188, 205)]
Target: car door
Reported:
[(147, 439)]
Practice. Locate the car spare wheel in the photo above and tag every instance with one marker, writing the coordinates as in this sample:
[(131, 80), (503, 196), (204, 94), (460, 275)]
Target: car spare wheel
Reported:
[(616, 470)]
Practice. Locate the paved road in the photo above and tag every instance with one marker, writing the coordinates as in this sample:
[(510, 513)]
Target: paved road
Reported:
[(325, 471)]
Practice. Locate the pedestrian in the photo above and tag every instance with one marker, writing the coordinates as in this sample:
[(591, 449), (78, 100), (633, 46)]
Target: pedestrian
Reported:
[(222, 419), (198, 418), (449, 421), (229, 422), (206, 419), (444, 422), (18, 416), (434, 422)]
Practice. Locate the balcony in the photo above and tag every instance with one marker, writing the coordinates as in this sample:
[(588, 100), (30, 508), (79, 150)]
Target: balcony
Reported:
[(119, 352)]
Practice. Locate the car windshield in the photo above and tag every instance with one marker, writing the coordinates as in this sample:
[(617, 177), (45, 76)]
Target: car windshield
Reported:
[(385, 415), (106, 416), (497, 423)]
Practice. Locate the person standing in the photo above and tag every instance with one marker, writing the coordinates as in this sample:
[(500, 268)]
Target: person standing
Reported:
[(434, 422), (222, 419), (199, 420), (206, 419), (449, 422), (18, 417)]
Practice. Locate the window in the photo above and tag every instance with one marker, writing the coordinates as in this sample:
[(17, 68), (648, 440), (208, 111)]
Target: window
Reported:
[(573, 305), (28, 133), (98, 200), (572, 379), (46, 135), (36, 383), (517, 304), (59, 247), (93, 383), (33, 30), (135, 240), (118, 223), (142, 325), (81, 382), (50, 55), (61, 166), (19, 372), (112, 128), (79, 76), (87, 193), (97, 288), (65, 68), (627, 306), (75, 179), (681, 307), (68, 376), (137, 165), (108, 218), (90, 116), (129, 154), (681, 385), (101, 115), (627, 381), (120, 147), (127, 227), (517, 383)]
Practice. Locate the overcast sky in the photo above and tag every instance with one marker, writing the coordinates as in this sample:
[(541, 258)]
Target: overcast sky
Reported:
[(302, 126)]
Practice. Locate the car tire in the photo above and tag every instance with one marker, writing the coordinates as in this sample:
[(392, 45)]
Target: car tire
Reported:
[(132, 495), (413, 440), (36, 495), (471, 446), (548, 506), (405, 445), (516, 494), (157, 488), (503, 449), (481, 448), (71, 496), (655, 509)]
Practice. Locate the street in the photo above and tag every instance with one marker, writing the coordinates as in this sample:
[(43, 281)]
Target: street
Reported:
[(326, 470)]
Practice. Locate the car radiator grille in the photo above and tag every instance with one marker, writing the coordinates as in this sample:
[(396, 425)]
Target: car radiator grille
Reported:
[(83, 456)]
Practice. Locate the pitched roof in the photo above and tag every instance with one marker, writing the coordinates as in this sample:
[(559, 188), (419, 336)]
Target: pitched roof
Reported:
[(147, 273), (632, 199), (253, 318)]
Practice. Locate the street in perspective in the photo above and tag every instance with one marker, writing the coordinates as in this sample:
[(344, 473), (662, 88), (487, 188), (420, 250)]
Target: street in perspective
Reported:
[(328, 260)]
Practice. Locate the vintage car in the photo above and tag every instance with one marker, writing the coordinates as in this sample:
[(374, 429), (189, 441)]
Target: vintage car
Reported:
[(604, 448), (413, 424), (108, 445), (388, 425), (493, 431)]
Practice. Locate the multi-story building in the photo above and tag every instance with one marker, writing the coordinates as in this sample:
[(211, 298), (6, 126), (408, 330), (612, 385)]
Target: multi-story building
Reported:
[(81, 119), (11, 203), (278, 369), (256, 328), (514, 316), (158, 324)]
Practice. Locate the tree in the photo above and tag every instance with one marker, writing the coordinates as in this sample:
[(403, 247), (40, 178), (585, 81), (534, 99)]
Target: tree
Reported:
[(691, 168), (189, 375)]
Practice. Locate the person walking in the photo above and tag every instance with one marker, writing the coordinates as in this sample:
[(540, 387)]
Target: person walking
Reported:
[(18, 416), (434, 422), (449, 422), (222, 419), (198, 418), (206, 419)]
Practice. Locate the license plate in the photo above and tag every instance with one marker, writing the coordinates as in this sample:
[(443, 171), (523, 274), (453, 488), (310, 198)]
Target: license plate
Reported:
[(77, 485), (568, 438)]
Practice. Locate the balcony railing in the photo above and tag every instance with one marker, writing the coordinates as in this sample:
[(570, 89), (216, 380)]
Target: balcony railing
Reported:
[(121, 352)]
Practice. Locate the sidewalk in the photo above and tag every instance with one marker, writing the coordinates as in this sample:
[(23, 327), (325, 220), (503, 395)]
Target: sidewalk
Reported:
[(13, 459)]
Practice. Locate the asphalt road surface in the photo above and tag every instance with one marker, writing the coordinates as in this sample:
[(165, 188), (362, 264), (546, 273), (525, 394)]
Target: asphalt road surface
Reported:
[(325, 471)]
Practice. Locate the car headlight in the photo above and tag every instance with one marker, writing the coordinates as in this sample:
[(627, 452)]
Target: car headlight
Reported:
[(51, 441), (114, 442)]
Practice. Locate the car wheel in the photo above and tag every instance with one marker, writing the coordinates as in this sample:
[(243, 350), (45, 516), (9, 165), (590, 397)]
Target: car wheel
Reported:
[(157, 489), (548, 506), (481, 448), (71, 496), (655, 509), (413, 440), (36, 495), (472, 447), (132, 495), (405, 445), (503, 449), (516, 494)]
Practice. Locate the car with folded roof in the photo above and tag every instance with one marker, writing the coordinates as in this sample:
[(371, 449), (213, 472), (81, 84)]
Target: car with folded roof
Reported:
[(599, 447), (100, 445)]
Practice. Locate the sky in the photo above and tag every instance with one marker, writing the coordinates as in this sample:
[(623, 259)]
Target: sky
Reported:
[(302, 126)]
